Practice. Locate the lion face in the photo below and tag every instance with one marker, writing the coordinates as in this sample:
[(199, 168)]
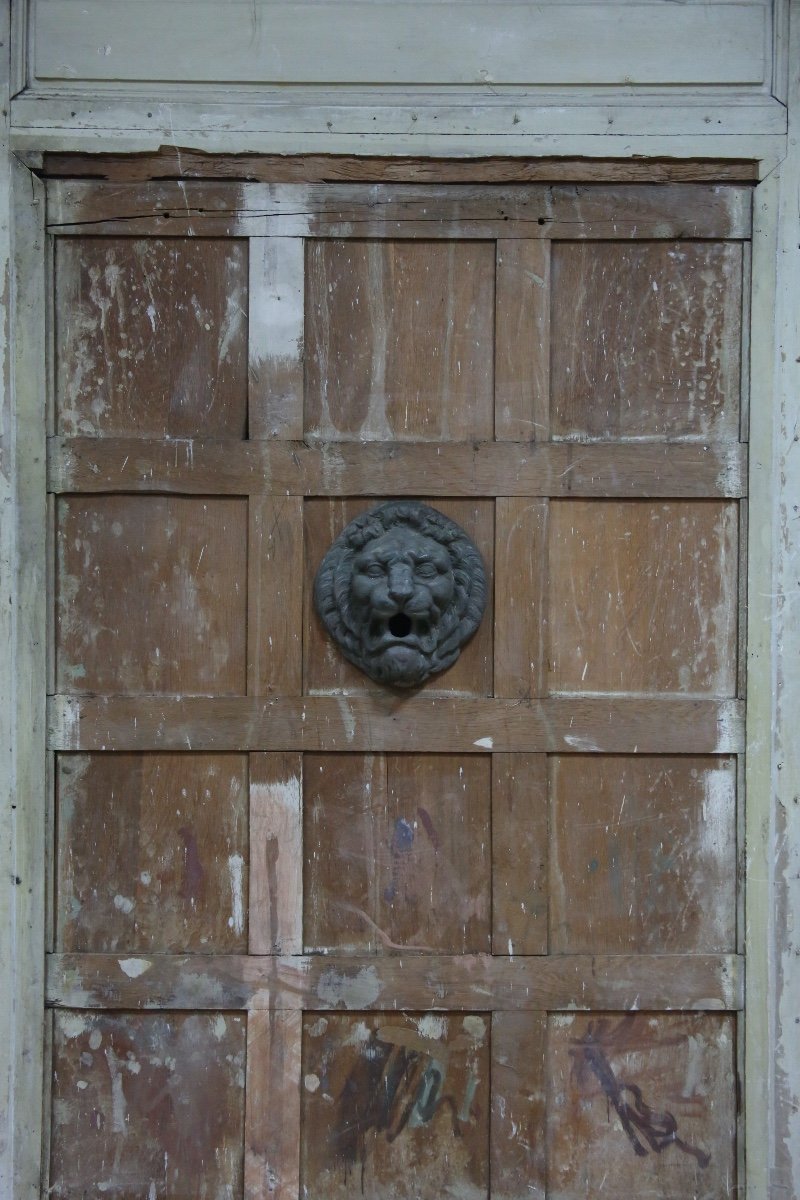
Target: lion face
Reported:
[(401, 590), (401, 587)]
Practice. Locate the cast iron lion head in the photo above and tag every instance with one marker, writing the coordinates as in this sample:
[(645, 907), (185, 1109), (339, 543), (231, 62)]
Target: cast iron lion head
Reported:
[(400, 590)]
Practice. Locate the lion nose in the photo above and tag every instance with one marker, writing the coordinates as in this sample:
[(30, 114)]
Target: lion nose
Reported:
[(401, 586)]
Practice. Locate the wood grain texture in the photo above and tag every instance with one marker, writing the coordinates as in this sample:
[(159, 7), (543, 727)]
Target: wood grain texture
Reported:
[(447, 211), (275, 337), (643, 597), (151, 337), (152, 853), (274, 595), (151, 594), (399, 340), (272, 1120), (641, 1104), (185, 163), (147, 1105), (643, 855), (520, 849), (276, 854), (521, 602), (395, 853), (522, 341), (395, 1106), (660, 725), (649, 340), (519, 1106), (402, 469), (411, 981), (325, 668)]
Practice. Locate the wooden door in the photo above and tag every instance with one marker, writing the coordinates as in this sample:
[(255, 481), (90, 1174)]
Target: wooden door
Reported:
[(316, 938)]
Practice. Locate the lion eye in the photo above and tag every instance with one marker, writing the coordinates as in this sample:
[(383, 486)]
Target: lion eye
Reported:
[(375, 570), (426, 570)]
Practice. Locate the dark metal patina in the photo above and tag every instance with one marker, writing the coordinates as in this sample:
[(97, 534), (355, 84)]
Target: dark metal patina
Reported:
[(401, 590)]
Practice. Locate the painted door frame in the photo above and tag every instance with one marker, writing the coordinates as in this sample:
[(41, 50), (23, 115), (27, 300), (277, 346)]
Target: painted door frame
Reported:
[(772, 885)]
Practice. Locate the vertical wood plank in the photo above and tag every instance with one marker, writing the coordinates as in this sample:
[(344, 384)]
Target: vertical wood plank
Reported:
[(519, 1106), (520, 596), (275, 339), (522, 346), (272, 1113), (519, 853), (275, 596), (276, 854)]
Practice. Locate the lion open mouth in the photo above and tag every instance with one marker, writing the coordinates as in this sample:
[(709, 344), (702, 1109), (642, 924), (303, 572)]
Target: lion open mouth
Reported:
[(401, 629)]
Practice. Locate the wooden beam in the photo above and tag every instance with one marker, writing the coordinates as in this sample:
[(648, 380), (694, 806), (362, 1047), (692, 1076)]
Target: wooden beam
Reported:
[(223, 209), (198, 467), (418, 981), (390, 722)]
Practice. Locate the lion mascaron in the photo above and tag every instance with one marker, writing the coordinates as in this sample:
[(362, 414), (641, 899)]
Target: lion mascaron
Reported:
[(401, 590)]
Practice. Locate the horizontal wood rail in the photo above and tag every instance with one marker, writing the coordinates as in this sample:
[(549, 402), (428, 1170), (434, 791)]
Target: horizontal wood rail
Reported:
[(393, 723), (557, 211), (469, 982), (296, 468)]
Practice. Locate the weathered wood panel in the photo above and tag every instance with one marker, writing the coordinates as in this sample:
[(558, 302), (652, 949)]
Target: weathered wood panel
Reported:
[(520, 849), (649, 340), (399, 340), (170, 163), (274, 595), (326, 670), (395, 852), (346, 43), (151, 595), (521, 602), (641, 1105), (147, 1105), (395, 1106), (477, 469), (522, 332), (411, 981), (152, 853), (272, 1131), (416, 725), (643, 854), (276, 854), (519, 1106), (151, 337), (586, 212), (643, 597), (275, 337)]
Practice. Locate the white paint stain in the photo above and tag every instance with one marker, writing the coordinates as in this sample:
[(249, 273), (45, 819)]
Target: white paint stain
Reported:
[(123, 904), (580, 743), (119, 1108), (312, 1082), (475, 1026), (432, 1026), (134, 967), (219, 1027), (348, 720), (235, 867), (485, 743), (351, 991)]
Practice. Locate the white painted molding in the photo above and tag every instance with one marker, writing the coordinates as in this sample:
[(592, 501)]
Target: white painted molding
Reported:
[(262, 42)]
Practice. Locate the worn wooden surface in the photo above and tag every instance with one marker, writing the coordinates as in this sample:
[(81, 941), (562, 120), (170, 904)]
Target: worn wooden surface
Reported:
[(395, 852), (540, 829), (440, 725), (151, 595), (400, 340), (185, 163), (395, 1105), (641, 1104), (152, 853), (705, 982), (147, 1105), (151, 337), (197, 466), (649, 340), (387, 211)]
